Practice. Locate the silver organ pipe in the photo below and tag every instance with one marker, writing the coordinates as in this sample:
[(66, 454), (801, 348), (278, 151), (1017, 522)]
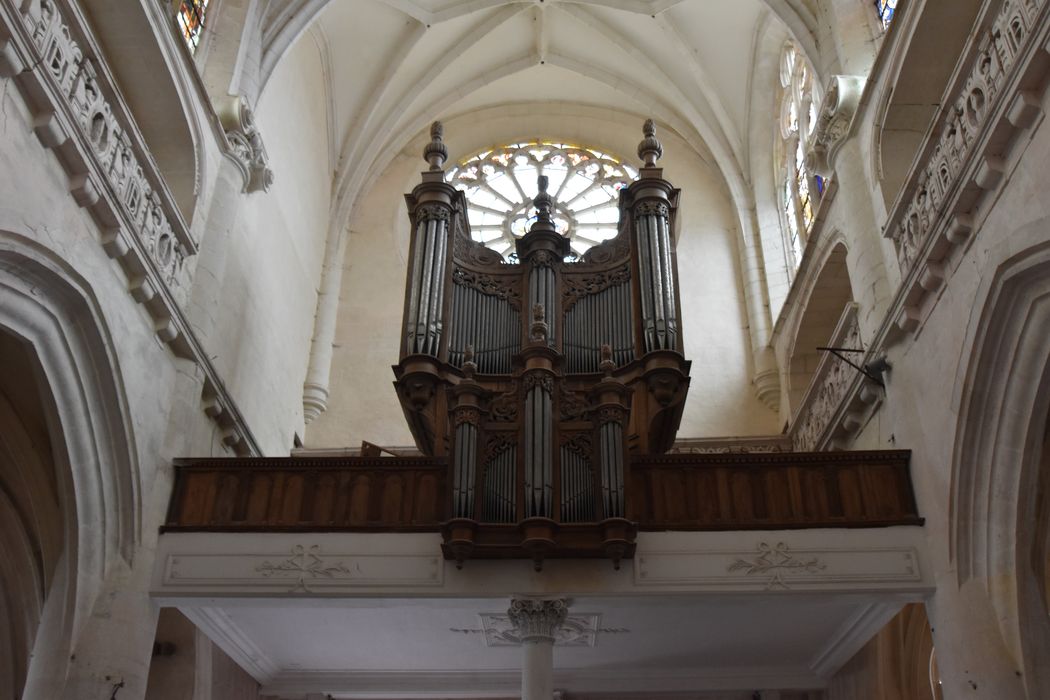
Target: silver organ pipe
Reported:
[(539, 468), (489, 323), (577, 487), (464, 478), (656, 273), (612, 458), (595, 320), (500, 503), (426, 291)]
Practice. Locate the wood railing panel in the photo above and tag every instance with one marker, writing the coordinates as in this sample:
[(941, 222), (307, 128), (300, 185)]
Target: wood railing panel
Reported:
[(374, 494), (781, 490), (772, 491)]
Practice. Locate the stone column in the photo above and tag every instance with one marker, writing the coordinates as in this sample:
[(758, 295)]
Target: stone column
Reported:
[(537, 621)]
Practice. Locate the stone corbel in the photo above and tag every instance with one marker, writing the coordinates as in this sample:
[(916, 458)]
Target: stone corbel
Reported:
[(833, 123), (246, 145)]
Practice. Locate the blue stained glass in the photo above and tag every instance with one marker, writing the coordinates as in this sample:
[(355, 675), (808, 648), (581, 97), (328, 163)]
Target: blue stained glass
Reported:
[(885, 8)]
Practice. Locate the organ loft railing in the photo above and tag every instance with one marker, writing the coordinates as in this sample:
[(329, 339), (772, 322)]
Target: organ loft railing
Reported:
[(541, 380)]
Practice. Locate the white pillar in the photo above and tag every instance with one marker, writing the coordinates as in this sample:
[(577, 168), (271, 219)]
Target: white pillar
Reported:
[(537, 622)]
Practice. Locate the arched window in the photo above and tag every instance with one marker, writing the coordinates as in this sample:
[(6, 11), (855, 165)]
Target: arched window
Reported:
[(885, 9), (190, 15), (500, 184), (798, 190)]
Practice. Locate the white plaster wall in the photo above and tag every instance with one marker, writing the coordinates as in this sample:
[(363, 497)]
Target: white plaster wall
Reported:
[(273, 258), (363, 406)]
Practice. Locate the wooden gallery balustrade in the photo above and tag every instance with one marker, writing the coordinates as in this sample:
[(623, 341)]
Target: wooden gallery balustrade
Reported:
[(768, 491)]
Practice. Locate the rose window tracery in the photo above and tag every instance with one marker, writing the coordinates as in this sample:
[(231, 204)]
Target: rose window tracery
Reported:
[(500, 184)]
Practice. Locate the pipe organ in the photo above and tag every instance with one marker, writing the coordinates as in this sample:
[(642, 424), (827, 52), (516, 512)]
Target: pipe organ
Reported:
[(539, 380)]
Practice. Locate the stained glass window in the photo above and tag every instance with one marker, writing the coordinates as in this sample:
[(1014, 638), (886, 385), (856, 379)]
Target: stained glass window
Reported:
[(500, 184), (799, 190), (885, 8), (190, 16)]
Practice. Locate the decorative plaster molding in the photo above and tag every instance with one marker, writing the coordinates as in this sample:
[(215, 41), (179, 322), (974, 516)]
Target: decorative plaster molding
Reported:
[(576, 630), (776, 562), (305, 564), (246, 145), (307, 569), (537, 620), (779, 567), (841, 100)]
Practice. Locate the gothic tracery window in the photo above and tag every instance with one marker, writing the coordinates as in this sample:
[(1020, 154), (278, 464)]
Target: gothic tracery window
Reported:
[(500, 184), (885, 9), (798, 189), (190, 16)]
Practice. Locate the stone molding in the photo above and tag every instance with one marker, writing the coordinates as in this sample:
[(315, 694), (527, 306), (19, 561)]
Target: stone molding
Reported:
[(964, 162), (47, 50), (834, 122), (246, 145)]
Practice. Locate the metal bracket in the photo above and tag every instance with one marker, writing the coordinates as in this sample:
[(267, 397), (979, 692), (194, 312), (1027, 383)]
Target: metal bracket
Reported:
[(837, 352)]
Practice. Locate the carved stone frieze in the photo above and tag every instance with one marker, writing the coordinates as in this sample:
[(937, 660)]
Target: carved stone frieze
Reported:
[(246, 145), (934, 214), (578, 286), (537, 620), (489, 284), (833, 123)]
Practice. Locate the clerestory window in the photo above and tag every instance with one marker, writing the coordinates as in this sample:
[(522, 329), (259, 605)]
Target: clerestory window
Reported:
[(190, 16), (798, 190), (885, 10), (500, 184)]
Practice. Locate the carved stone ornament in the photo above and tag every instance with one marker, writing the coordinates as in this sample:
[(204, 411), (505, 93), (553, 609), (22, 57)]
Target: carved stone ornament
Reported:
[(305, 564), (833, 124), (246, 146), (776, 563), (537, 620)]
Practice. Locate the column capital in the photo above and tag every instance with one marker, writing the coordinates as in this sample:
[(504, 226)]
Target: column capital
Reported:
[(537, 620)]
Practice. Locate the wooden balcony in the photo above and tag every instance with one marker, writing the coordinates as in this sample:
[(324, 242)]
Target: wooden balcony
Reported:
[(757, 491)]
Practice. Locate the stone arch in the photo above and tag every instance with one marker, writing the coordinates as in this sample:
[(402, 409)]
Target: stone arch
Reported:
[(1000, 508), (822, 307), (918, 77), (49, 314)]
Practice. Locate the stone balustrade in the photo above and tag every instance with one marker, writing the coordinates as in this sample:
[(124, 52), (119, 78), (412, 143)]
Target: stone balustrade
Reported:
[(993, 99), (839, 397), (78, 113)]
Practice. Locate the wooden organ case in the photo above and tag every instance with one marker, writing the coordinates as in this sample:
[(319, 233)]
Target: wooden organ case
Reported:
[(539, 381)]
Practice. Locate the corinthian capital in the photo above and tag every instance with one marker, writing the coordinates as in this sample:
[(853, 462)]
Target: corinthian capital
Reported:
[(537, 620)]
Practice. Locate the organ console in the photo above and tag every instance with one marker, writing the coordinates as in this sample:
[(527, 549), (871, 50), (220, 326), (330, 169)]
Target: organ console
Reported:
[(539, 381)]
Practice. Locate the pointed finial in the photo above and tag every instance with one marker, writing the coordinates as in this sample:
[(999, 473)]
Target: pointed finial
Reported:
[(543, 201), (435, 152), (650, 149)]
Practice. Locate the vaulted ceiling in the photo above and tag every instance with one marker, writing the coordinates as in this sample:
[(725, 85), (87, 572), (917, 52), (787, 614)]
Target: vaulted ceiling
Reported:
[(395, 65)]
